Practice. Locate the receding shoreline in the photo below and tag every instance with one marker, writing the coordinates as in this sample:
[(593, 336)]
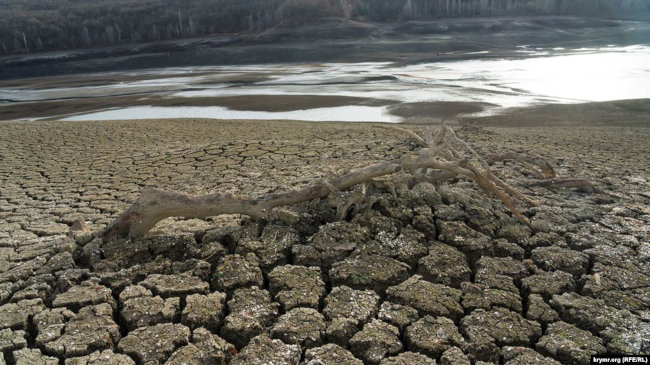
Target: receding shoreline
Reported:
[(630, 113)]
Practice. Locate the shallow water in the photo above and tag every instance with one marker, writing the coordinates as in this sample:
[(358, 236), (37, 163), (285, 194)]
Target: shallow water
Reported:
[(537, 76), (343, 113)]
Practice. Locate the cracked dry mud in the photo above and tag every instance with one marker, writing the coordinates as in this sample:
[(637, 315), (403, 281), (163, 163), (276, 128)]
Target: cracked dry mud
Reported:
[(429, 273)]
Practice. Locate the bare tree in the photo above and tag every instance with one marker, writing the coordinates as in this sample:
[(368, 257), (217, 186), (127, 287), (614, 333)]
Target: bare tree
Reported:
[(25, 42), (180, 22)]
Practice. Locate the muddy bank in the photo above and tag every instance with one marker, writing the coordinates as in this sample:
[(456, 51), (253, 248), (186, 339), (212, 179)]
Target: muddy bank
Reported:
[(632, 113), (419, 259), (621, 113)]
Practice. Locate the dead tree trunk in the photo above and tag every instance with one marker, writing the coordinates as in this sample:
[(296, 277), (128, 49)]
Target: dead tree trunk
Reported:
[(442, 151)]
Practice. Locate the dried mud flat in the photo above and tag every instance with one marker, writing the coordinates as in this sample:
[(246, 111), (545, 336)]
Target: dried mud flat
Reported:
[(427, 274)]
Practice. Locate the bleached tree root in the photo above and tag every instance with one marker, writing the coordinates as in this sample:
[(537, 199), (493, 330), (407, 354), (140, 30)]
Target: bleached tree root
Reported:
[(580, 184), (443, 152), (545, 167)]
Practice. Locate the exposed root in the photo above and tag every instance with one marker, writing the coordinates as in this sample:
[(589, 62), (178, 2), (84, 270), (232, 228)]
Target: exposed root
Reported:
[(444, 152), (545, 167), (580, 184)]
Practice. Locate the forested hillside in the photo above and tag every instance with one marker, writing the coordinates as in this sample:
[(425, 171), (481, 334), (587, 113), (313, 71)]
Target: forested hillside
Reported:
[(37, 25)]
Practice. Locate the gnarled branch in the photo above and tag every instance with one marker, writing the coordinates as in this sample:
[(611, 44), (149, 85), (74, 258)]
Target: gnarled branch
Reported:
[(154, 204), (545, 167)]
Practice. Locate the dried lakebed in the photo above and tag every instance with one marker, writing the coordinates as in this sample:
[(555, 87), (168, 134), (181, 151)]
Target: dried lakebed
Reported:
[(431, 273)]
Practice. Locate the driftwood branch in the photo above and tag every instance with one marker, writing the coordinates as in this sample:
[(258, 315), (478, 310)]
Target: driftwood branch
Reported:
[(442, 152), (580, 184), (545, 167)]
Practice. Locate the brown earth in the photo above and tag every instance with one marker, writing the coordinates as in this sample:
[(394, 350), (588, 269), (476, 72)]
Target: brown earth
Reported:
[(453, 262)]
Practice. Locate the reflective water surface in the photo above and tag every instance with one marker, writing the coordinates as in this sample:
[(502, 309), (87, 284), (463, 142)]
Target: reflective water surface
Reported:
[(539, 76)]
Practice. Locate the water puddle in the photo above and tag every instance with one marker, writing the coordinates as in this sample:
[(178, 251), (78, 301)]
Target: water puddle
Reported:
[(335, 114)]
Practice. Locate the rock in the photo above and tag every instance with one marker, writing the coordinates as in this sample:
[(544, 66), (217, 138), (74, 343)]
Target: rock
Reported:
[(251, 312), (48, 229), (479, 296), (427, 298), (69, 278), (468, 241), (426, 194), (485, 331), (176, 247), (193, 267), (432, 336), (341, 329), (347, 302), (205, 349), (423, 221), (134, 291), (204, 310), (504, 248), (123, 252), (444, 265), (235, 271), (451, 194), (398, 315), (50, 324), (569, 344), (495, 281), (616, 256), (548, 284), (376, 341), (212, 252), (514, 232), (488, 266), (59, 262), (297, 286), (505, 327), (34, 291), (33, 357), (263, 350), (454, 356), (622, 331), (372, 271), (175, 285), (621, 288), (305, 255), (106, 357), (480, 217), (155, 343), (408, 358), (273, 247), (148, 311), (12, 340), (16, 315), (408, 246), (300, 326), (540, 311), (398, 209), (544, 239), (230, 236), (558, 258), (334, 241), (89, 330), (330, 354), (525, 356), (378, 223)]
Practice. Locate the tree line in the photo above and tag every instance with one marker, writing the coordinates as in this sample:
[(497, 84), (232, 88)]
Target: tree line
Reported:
[(37, 25)]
